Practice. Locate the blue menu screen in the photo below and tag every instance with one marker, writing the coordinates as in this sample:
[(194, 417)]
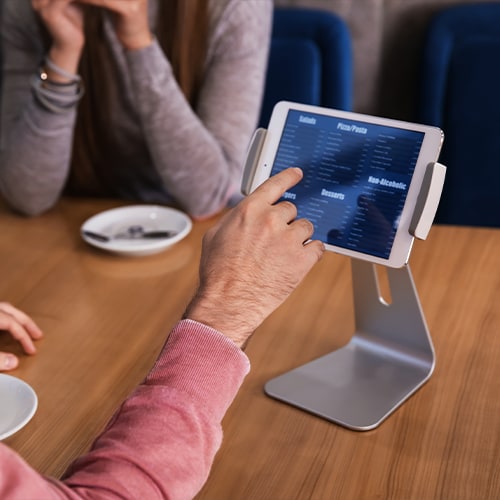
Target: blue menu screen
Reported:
[(356, 178)]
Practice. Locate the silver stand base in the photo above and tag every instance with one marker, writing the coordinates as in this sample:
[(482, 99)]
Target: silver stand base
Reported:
[(388, 358)]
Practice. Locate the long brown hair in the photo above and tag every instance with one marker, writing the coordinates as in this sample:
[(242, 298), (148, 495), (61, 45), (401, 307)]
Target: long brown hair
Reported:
[(181, 30)]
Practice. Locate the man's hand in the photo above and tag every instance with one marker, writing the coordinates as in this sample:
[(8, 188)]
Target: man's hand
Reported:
[(253, 259), (22, 328)]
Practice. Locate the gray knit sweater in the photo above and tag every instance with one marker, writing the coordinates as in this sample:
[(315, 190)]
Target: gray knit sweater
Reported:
[(173, 154)]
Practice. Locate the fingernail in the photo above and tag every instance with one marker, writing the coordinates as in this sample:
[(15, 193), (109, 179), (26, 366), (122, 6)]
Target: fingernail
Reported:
[(9, 362)]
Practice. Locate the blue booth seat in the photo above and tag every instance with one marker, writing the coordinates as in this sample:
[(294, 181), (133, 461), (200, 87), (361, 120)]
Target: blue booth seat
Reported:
[(310, 61), (461, 94)]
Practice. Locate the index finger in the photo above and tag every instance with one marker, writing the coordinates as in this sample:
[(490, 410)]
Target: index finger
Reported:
[(276, 186), (23, 319), (9, 324)]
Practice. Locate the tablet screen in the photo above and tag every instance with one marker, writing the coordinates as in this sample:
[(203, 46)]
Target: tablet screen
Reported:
[(356, 177)]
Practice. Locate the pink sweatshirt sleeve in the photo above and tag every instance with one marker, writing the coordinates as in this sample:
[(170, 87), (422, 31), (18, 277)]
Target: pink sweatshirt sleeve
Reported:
[(162, 440)]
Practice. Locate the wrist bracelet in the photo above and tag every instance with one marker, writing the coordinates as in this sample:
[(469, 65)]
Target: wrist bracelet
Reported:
[(73, 78), (75, 85), (44, 78), (58, 98)]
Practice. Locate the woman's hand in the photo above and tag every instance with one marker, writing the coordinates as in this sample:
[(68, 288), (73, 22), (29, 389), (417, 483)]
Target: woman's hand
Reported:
[(22, 328), (130, 21), (64, 22)]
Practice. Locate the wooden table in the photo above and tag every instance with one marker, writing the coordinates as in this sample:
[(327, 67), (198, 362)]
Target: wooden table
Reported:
[(105, 318)]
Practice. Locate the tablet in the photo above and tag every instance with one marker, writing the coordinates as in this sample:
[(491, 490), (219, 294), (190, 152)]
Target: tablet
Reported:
[(362, 176)]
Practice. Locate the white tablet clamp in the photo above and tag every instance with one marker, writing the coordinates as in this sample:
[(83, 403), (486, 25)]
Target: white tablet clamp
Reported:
[(389, 356)]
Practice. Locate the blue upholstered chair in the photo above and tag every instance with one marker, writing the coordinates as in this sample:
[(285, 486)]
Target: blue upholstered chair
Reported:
[(461, 94), (310, 61)]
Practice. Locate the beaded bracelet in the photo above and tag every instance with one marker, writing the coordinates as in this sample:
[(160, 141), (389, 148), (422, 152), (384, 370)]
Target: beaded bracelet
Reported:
[(55, 96), (71, 77)]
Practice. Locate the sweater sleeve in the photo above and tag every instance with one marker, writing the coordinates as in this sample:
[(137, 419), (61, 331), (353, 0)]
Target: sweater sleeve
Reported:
[(199, 153), (35, 143), (162, 441)]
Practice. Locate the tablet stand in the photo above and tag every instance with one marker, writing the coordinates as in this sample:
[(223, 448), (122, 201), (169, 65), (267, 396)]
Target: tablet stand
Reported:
[(389, 356)]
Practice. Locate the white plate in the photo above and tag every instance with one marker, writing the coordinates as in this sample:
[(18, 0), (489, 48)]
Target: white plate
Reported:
[(18, 403), (150, 217)]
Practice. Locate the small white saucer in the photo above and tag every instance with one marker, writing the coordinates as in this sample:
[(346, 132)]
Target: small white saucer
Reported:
[(149, 217), (18, 403)]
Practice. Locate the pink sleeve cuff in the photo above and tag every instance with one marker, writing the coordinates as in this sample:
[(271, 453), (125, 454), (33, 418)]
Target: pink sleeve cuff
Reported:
[(203, 362)]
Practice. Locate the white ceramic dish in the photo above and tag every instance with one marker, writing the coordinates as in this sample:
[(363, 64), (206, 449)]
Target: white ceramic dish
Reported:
[(149, 217), (18, 403)]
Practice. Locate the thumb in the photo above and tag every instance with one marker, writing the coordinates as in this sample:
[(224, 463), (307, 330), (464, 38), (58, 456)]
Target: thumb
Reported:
[(8, 361)]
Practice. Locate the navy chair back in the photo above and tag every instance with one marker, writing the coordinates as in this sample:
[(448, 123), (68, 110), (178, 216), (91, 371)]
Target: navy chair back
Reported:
[(310, 61), (461, 94)]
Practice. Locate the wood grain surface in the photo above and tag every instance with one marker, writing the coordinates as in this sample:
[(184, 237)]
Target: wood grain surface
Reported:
[(106, 317)]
